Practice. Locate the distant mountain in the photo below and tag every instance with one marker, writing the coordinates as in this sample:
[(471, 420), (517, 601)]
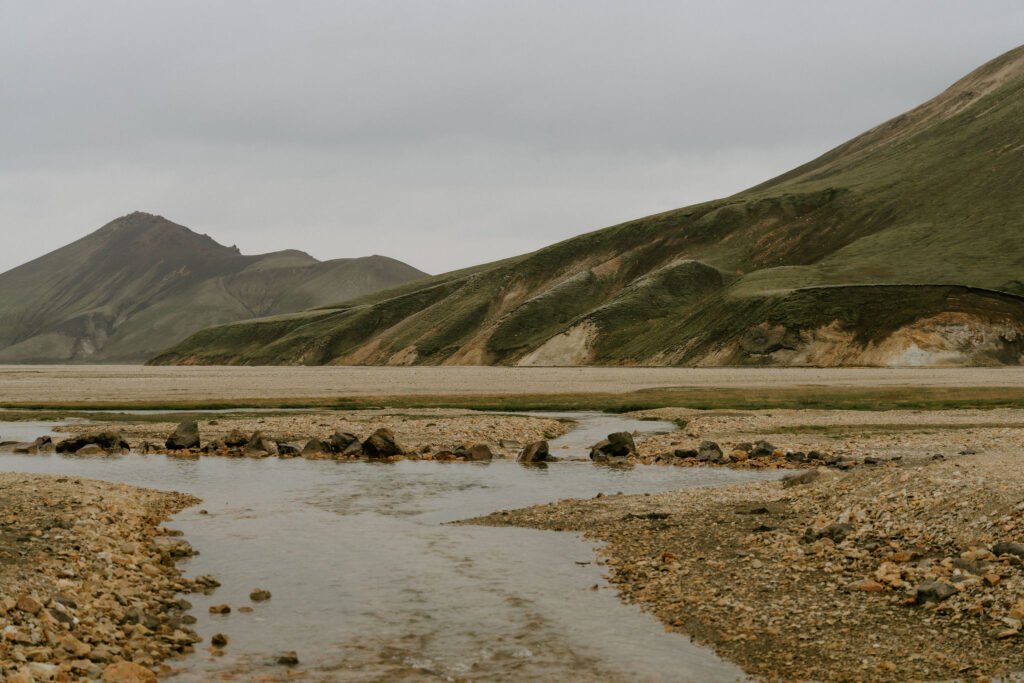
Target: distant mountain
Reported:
[(141, 282), (903, 246)]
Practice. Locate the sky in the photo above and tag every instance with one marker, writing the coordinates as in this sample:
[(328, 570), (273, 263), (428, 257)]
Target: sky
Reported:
[(442, 133)]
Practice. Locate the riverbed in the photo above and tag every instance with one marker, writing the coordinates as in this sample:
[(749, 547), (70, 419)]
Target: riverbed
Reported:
[(368, 582)]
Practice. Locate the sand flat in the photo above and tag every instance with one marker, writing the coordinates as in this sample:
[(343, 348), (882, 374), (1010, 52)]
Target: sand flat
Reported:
[(67, 383)]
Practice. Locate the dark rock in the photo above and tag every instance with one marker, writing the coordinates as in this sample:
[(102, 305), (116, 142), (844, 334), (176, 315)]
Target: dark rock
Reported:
[(259, 595), (684, 453), (710, 451), (109, 442), (287, 449), (797, 456), (967, 566), (315, 449), (381, 444), (872, 460), (535, 452), (236, 439), (762, 449), (744, 446), (480, 452), (288, 658), (137, 615), (1008, 548), (461, 452), (339, 441), (186, 435), (815, 455), (218, 640), (257, 442), (934, 591)]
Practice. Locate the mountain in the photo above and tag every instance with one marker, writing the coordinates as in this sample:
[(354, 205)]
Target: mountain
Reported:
[(141, 282), (903, 246)]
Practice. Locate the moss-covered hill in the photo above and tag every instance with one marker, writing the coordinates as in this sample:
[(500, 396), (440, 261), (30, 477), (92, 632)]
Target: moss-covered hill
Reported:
[(903, 246), (140, 282)]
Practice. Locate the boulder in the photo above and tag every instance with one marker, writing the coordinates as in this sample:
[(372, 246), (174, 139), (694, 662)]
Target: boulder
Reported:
[(286, 449), (762, 449), (185, 435), (709, 451), (535, 452), (315, 449), (480, 452), (381, 444), (617, 445), (236, 439), (258, 442), (339, 441), (109, 442)]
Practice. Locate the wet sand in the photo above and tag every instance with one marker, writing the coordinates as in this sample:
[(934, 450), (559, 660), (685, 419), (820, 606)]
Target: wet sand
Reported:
[(122, 383)]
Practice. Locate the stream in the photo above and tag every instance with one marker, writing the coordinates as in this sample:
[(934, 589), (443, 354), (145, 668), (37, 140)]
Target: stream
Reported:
[(369, 585)]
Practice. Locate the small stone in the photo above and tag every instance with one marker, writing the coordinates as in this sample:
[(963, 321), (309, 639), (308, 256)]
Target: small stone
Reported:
[(128, 672), (26, 603), (934, 591), (259, 595), (220, 609), (289, 658), (219, 640)]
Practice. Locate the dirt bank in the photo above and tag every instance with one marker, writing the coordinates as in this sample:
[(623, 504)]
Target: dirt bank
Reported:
[(87, 577), (880, 574)]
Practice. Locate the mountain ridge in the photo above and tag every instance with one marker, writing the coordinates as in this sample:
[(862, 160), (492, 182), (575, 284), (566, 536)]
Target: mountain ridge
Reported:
[(919, 219), (121, 292)]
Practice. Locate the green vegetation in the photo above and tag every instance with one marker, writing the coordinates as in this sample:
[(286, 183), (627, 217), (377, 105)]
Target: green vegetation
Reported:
[(918, 217), (845, 398)]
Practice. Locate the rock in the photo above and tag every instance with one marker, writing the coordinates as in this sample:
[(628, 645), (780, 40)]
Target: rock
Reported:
[(257, 442), (288, 658), (1008, 548), (185, 435), (259, 595), (137, 615), (220, 609), (867, 586), (43, 672), (27, 603), (91, 449), (39, 654), (175, 547), (800, 478), (339, 441), (685, 453), (219, 640), (534, 452), (709, 451), (288, 450), (933, 591), (236, 439), (739, 456), (128, 672), (480, 452), (617, 445), (110, 442), (315, 449), (381, 444), (796, 456), (762, 449)]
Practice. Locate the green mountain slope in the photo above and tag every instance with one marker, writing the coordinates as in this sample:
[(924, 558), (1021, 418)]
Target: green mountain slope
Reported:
[(123, 292), (902, 246)]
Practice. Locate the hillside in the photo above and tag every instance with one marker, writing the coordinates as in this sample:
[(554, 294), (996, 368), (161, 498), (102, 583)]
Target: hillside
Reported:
[(903, 246), (140, 282)]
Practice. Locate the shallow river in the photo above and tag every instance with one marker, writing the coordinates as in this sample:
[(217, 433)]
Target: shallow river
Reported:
[(368, 584)]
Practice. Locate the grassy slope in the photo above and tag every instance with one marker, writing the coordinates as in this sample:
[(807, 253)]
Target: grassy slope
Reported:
[(123, 292), (929, 198)]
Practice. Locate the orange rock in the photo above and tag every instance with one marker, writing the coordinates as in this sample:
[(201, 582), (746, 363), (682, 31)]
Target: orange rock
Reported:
[(991, 579), (128, 672)]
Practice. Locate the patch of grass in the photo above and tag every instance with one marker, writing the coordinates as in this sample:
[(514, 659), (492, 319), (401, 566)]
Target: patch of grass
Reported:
[(858, 398)]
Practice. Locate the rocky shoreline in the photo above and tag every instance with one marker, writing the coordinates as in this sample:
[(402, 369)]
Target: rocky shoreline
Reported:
[(911, 572), (88, 584)]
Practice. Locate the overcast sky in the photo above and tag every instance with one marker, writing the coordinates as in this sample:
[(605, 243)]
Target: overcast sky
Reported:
[(443, 134)]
